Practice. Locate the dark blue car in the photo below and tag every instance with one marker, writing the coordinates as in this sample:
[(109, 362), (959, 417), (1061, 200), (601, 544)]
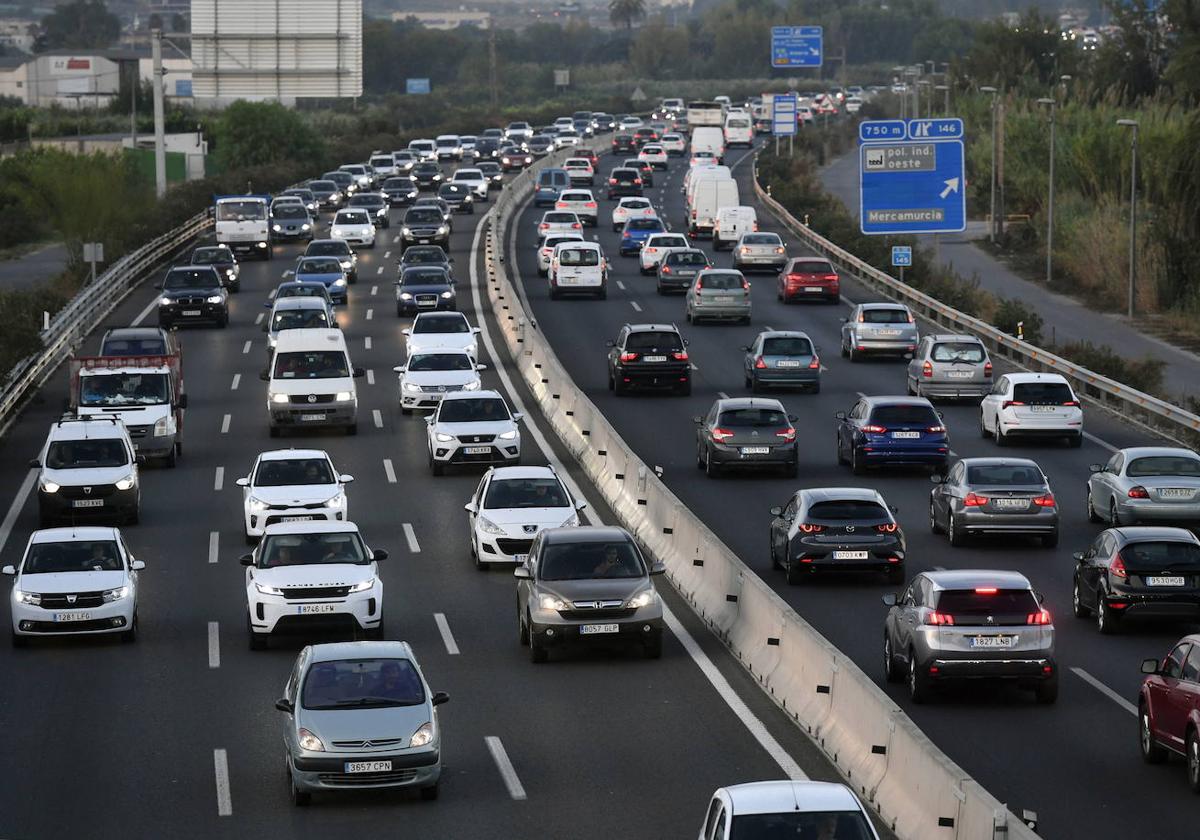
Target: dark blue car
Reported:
[(892, 431), (636, 232), (325, 270)]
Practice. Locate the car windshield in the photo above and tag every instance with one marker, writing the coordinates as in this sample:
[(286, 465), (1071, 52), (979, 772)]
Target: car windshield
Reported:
[(440, 324), (1003, 475), (885, 316), (440, 361), (362, 684), (643, 224), (453, 190), (115, 389), (419, 254), (526, 493), (1042, 393), (313, 364), (83, 556), (589, 560), (904, 415), (958, 351), (328, 248), (423, 216), (85, 454), (322, 186), (1161, 554), (301, 290), (695, 258), (812, 267), (241, 211), (289, 211), (321, 265), (653, 341), (837, 825), (847, 510), (752, 418), (296, 319), (150, 346), (427, 167), (578, 256), (790, 346), (987, 605), (352, 217), (761, 239), (721, 282), (211, 256), (288, 472), (1180, 465), (187, 278), (311, 549), (383, 161), (474, 410)]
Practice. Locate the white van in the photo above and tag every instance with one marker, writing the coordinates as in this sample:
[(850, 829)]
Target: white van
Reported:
[(707, 200), (701, 173), (731, 223), (578, 267), (709, 139), (311, 382), (739, 130)]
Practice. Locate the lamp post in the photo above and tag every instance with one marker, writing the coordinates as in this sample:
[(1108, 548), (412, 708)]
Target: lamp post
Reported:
[(1132, 210), (992, 213), (945, 89), (928, 87), (1053, 103)]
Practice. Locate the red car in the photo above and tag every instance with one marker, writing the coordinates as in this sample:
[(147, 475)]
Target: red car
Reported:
[(1169, 708), (590, 154), (809, 278)]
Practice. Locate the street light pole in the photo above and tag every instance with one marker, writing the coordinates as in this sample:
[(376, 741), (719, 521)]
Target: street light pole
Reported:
[(992, 213), (1053, 103), (945, 89), (1132, 212), (160, 155)]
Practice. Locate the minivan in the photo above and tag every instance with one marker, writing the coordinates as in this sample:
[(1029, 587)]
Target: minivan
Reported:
[(311, 382), (578, 267), (739, 131), (709, 196), (550, 183)]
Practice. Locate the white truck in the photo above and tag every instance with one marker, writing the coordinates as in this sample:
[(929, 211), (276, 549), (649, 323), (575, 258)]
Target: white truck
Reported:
[(708, 197), (705, 114), (243, 223)]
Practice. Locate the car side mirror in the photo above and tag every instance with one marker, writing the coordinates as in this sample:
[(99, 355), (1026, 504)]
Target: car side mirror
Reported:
[(658, 568), (139, 459), (35, 464), (285, 705), (9, 570), (345, 479), (840, 415), (609, 344), (697, 419), (400, 368), (776, 511), (182, 402), (264, 375), (522, 573), (406, 331), (518, 417), (158, 285), (470, 507), (137, 565), (243, 482), (246, 559), (937, 479), (379, 554), (1078, 555), (359, 373), (580, 505), (889, 600), (481, 367), (439, 697), (746, 348), (845, 320), (1096, 468), (474, 330), (1149, 666)]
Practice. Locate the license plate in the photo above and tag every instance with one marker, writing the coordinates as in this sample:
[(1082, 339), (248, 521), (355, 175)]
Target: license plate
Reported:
[(813, 289), (190, 313), (887, 332), (1174, 580), (520, 558), (311, 417), (86, 503), (1175, 493), (1042, 409), (596, 629), (906, 435), (654, 358), (960, 374), (423, 241), (476, 450), (992, 641), (755, 450), (296, 518), (72, 616), (315, 609), (368, 766), (850, 555), (1010, 504), (723, 299), (787, 364)]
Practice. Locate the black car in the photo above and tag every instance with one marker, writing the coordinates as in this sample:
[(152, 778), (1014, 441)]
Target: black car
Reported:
[(400, 191), (221, 258), (649, 356), (746, 433), (425, 288), (624, 144), (328, 194), (377, 204), (291, 223), (458, 196), (603, 122), (487, 148), (1138, 572), (540, 144), (644, 168), (344, 180), (645, 135), (427, 174), (836, 529), (193, 294), (493, 172), (424, 226), (425, 255), (623, 181)]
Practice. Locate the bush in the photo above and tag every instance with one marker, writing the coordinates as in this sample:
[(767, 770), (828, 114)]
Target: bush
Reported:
[(1145, 374), (1010, 312)]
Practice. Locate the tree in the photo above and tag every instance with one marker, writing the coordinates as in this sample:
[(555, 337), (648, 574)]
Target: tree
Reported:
[(625, 12), (255, 133), (80, 24)]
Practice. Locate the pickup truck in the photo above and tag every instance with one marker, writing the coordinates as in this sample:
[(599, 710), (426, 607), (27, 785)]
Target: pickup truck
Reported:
[(243, 223)]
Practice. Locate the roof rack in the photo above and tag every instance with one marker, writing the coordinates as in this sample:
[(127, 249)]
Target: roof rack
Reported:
[(69, 417)]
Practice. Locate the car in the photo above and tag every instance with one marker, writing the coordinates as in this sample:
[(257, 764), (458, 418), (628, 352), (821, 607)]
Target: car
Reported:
[(546, 249), (291, 222), (88, 469), (566, 137), (949, 366), (515, 158), (327, 192), (635, 232), (993, 497), (424, 226), (965, 625), (730, 223), (718, 294), (675, 145), (400, 190), (383, 164), (346, 183), (424, 255), (590, 156), (1146, 484), (629, 123), (297, 313), (655, 246), (786, 809), (292, 485), (853, 105), (623, 144), (836, 529), (492, 172), (475, 180), (363, 177), (701, 158), (424, 288), (220, 257), (450, 330), (468, 143), (428, 375), (643, 167), (337, 700), (441, 205), (760, 250), (405, 160), (746, 433), (473, 427), (1031, 405), (892, 431), (428, 175), (311, 203), (602, 122), (557, 221), (191, 295), (377, 205), (879, 329), (580, 202), (327, 271), (293, 288), (1131, 572), (460, 197), (580, 171), (654, 154), (339, 248), (624, 181), (486, 148), (782, 359), (426, 149), (519, 131), (649, 356), (449, 147), (511, 506), (551, 181), (644, 135), (540, 145), (354, 227), (678, 267), (77, 580), (587, 584), (583, 127), (578, 267), (1169, 708), (632, 207), (138, 341)]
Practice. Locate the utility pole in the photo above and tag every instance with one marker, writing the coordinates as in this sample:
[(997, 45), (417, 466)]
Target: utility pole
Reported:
[(992, 211), (1053, 104), (492, 62), (160, 152)]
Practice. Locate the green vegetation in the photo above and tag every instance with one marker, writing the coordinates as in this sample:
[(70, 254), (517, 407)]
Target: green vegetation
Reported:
[(79, 24)]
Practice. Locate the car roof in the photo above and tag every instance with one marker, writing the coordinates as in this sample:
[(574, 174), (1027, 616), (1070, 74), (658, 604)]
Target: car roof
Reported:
[(784, 334), (470, 395), (288, 454), (334, 651), (883, 306), (135, 332), (73, 534), (326, 242), (580, 243), (898, 400), (94, 428), (972, 578), (1019, 378), (299, 302), (317, 527), (1132, 452), (954, 337), (735, 403), (788, 796), (522, 472), (585, 534), (821, 494), (997, 461), (1160, 533), (652, 328), (324, 338)]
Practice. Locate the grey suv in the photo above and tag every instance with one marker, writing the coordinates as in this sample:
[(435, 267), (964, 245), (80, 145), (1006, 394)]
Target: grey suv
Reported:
[(950, 366), (961, 625)]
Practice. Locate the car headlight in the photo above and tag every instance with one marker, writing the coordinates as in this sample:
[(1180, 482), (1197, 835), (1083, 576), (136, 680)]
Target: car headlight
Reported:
[(110, 595), (405, 296), (472, 386), (338, 232), (643, 599), (164, 426), (256, 503), (346, 264), (442, 437), (267, 590), (423, 736), (411, 387), (343, 396), (309, 741), (126, 482), (381, 213), (553, 602), (341, 281), (442, 229), (338, 501), (214, 299), (510, 435), (305, 226), (412, 194), (447, 295), (279, 398), (49, 486), (230, 273), (363, 586), (276, 228), (437, 177), (488, 526), (406, 231), (165, 301), (31, 598)]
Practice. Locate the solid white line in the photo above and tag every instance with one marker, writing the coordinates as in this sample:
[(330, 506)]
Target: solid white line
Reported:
[(225, 424), (1105, 690), (374, 290), (214, 545), (224, 799), (367, 342), (620, 285), (141, 316), (259, 319), (505, 767), (214, 644), (14, 510), (237, 380), (411, 536), (219, 480), (1100, 441), (375, 413), (370, 314), (447, 637), (246, 347), (389, 470), (635, 306), (370, 376)]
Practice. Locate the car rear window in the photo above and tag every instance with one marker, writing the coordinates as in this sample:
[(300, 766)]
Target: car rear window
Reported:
[(957, 351), (904, 415), (812, 267), (977, 606), (885, 316), (1043, 393), (845, 825), (847, 510), (653, 341), (644, 224), (752, 418), (690, 258), (560, 217), (760, 239), (721, 281), (1160, 555), (1005, 475), (1164, 465), (787, 347), (450, 323), (579, 256)]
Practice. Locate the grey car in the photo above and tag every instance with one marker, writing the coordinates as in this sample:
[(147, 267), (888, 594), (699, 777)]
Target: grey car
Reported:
[(760, 250), (950, 367), (360, 716), (993, 496), (678, 269), (746, 433), (948, 626), (718, 294), (587, 584), (879, 329), (1158, 484), (782, 359)]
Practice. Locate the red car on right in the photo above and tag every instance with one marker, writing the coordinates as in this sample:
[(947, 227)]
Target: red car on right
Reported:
[(1169, 708)]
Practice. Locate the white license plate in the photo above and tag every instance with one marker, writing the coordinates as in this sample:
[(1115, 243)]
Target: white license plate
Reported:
[(755, 450), (1010, 504), (887, 332), (520, 558), (1175, 493), (316, 609), (596, 629), (72, 616), (906, 435), (296, 518), (654, 358), (1042, 409), (423, 241), (722, 299), (787, 364), (850, 555), (476, 450), (368, 766), (813, 289), (308, 418), (992, 641), (960, 374), (1174, 580), (190, 313), (86, 503)]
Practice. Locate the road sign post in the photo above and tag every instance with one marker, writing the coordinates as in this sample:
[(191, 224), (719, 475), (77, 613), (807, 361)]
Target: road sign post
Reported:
[(93, 252), (784, 108), (912, 177), (901, 258), (797, 46)]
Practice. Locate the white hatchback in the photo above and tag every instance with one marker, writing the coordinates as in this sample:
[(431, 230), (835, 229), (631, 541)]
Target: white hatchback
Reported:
[(450, 330), (673, 144), (1031, 405), (510, 506), (557, 221), (473, 428), (580, 202), (580, 171), (429, 375), (796, 809), (292, 485), (632, 207), (655, 246), (654, 154), (546, 249), (353, 226)]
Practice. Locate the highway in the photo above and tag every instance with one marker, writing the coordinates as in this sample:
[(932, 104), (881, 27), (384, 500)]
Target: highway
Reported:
[(176, 735), (1075, 763)]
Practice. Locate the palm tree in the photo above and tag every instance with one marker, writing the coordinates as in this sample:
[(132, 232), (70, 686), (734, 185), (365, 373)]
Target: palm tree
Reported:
[(626, 12)]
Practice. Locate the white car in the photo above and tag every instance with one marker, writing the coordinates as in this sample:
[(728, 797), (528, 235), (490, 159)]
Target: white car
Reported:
[(468, 141), (74, 580), (312, 574), (426, 149), (89, 469), (564, 122), (804, 114), (292, 485), (853, 105), (557, 221), (448, 147), (673, 144), (654, 154), (630, 123), (475, 179), (566, 137), (354, 227), (429, 375), (578, 267), (786, 809), (297, 313), (655, 246), (449, 330), (702, 157), (510, 506), (1031, 405), (632, 207), (580, 202), (546, 249), (473, 428), (580, 171)]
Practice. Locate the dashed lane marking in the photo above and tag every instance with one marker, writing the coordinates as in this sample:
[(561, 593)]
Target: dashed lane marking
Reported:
[(447, 637), (389, 470), (225, 424), (219, 479), (378, 416), (221, 770), (214, 545), (410, 536), (636, 307), (370, 376), (370, 314), (1105, 690), (505, 766), (237, 380), (214, 644), (246, 347), (367, 342)]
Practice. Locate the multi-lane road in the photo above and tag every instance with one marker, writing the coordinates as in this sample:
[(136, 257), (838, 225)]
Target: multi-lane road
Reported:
[(1075, 763), (176, 735)]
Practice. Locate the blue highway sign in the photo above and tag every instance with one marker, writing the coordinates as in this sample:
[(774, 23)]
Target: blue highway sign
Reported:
[(783, 115), (870, 131), (416, 86), (948, 128), (912, 187), (797, 46), (902, 256)]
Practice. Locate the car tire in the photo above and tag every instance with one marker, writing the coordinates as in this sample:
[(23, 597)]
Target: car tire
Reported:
[(844, 349), (250, 539), (710, 469), (1047, 691), (983, 430), (654, 647), (1092, 516), (1191, 753), (537, 651), (1001, 438), (856, 466), (176, 451), (619, 388), (352, 430), (407, 412), (957, 537), (895, 575), (522, 630), (684, 390), (1114, 515), (300, 798), (841, 459), (602, 294), (795, 575), (1079, 608), (852, 355), (815, 388), (429, 794), (377, 634), (133, 518), (792, 470), (554, 295), (1050, 540), (436, 467), (891, 673), (934, 527), (1152, 751), (258, 641), (1106, 618), (754, 385), (918, 683), (1075, 441)]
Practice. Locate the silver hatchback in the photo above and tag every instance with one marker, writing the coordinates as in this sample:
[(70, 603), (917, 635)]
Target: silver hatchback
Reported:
[(993, 496), (1159, 484), (879, 329), (718, 295), (760, 250), (950, 367)]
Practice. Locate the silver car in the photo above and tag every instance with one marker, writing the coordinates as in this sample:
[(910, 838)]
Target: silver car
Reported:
[(951, 367), (1159, 484), (993, 496), (359, 715), (760, 251), (718, 294), (879, 329), (782, 359), (947, 626)]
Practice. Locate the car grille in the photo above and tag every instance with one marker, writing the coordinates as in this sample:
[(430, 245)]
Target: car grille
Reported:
[(311, 506), (187, 301), (368, 744), (82, 599), (97, 491), (365, 779), (606, 609), (439, 389), (139, 431), (514, 546), (310, 592), (425, 232), (427, 300), (311, 399), (476, 438)]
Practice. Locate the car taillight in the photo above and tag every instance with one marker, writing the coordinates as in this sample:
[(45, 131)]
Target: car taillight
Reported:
[(666, 269), (1138, 492), (1072, 403), (987, 369), (544, 226), (721, 434), (637, 182), (693, 214), (788, 434), (1039, 617), (745, 285), (862, 317), (1117, 568), (576, 226), (1045, 501), (1010, 403), (628, 357), (927, 369), (875, 430), (936, 430), (811, 529), (815, 363), (680, 356), (887, 528), (939, 619), (590, 204), (975, 500), (612, 180), (832, 278)]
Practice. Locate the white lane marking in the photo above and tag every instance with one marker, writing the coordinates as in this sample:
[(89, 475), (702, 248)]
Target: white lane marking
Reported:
[(861, 395), (370, 376), (259, 319), (214, 644), (693, 364), (224, 798), (620, 285), (246, 347), (374, 290), (237, 380), (225, 424), (411, 537), (447, 637), (214, 545), (953, 454), (396, 238), (379, 270), (507, 772), (386, 254), (285, 272), (14, 510), (367, 342), (635, 306), (142, 315), (722, 395), (1105, 690), (1100, 441), (389, 470), (370, 314), (219, 479), (824, 369), (378, 417)]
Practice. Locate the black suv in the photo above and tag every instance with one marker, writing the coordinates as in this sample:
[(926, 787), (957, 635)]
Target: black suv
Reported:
[(424, 226), (624, 181), (427, 174), (192, 294), (458, 196), (649, 356), (400, 190)]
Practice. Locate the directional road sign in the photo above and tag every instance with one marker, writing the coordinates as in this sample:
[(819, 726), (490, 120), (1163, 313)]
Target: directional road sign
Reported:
[(950, 128), (797, 46), (902, 256), (871, 131), (912, 186), (416, 86), (783, 115)]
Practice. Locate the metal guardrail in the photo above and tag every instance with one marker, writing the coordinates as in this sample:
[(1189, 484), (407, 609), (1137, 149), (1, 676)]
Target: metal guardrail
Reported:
[(1146, 410)]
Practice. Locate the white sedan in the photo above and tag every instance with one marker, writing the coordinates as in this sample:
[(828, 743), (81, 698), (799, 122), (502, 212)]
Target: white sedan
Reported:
[(510, 506), (442, 329), (429, 375), (654, 154), (292, 485), (580, 202), (632, 207), (655, 246)]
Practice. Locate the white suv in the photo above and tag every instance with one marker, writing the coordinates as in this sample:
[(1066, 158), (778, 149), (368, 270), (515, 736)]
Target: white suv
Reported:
[(429, 375), (89, 470), (449, 330), (475, 179), (75, 580), (473, 427), (312, 574), (292, 485), (580, 202), (510, 506), (1031, 405), (656, 246), (546, 249)]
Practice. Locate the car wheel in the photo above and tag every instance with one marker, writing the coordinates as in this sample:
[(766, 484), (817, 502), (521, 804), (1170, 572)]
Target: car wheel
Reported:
[(653, 648), (934, 527), (841, 459), (436, 467), (377, 633), (957, 537), (250, 538), (844, 349), (685, 390), (407, 412), (352, 430), (1192, 753), (1075, 441), (699, 457), (755, 385), (170, 459), (258, 641), (537, 650), (710, 469), (522, 629), (1047, 690), (429, 794), (918, 683), (1106, 619), (1152, 751), (908, 388), (1001, 438), (856, 466), (891, 673), (792, 470), (300, 798), (1114, 515), (1050, 540), (1092, 516), (852, 355), (1077, 606), (795, 574), (618, 387), (273, 431), (983, 431)]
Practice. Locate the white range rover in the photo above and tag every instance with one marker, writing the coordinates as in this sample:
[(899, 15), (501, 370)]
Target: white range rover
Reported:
[(510, 506), (312, 575), (473, 427), (292, 485)]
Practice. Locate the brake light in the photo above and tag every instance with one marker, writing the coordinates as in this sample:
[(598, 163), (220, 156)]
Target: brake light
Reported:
[(1045, 501), (986, 590), (698, 287), (887, 528), (759, 364), (1117, 568), (1072, 403), (544, 225), (680, 356), (721, 434), (745, 284), (666, 269), (1039, 617), (560, 205), (927, 369), (590, 204), (875, 430), (788, 434), (939, 619), (987, 369), (862, 317), (1138, 492), (815, 364), (811, 529), (628, 357), (831, 278), (975, 500), (576, 226), (936, 430), (612, 180), (636, 181), (1010, 403)]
